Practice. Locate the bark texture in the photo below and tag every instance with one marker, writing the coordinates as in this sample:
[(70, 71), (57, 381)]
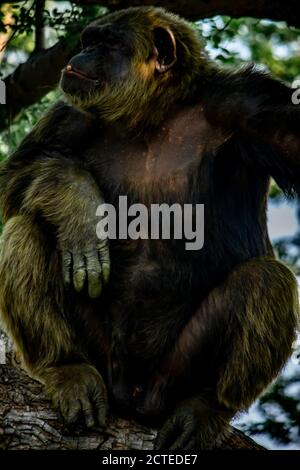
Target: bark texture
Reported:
[(27, 420)]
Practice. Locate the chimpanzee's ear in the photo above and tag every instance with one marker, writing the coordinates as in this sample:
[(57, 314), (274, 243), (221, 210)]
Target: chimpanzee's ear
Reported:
[(165, 48)]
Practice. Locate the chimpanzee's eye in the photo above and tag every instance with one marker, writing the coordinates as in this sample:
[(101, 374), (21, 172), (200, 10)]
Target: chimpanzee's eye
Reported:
[(90, 37), (93, 36), (93, 40), (113, 41), (88, 41)]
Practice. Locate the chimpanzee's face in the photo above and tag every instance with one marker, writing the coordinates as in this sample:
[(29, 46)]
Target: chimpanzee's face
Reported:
[(121, 66), (103, 62)]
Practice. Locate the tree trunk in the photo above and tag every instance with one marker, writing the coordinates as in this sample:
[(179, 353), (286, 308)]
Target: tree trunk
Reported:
[(27, 420)]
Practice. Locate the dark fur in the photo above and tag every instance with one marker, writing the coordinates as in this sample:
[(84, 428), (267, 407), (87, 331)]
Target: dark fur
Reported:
[(198, 334)]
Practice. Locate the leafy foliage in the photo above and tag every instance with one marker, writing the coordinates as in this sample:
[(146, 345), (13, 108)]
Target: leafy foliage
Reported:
[(278, 412)]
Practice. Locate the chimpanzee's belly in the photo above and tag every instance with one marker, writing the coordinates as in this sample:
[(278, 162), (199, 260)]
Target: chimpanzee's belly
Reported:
[(150, 293), (150, 300)]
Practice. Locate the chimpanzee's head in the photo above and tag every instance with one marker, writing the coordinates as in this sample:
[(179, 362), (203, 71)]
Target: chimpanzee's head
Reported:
[(133, 62)]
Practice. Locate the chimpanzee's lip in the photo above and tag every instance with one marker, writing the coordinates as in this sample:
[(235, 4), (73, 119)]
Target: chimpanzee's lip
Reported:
[(70, 70)]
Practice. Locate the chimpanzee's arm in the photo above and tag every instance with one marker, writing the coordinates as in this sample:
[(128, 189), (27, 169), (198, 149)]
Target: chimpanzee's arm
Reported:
[(261, 111), (59, 190)]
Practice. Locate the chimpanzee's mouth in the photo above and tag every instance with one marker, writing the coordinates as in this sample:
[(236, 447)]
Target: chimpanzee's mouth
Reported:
[(70, 70)]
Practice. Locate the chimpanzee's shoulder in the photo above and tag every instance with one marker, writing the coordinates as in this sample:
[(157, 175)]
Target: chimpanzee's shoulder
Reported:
[(65, 125)]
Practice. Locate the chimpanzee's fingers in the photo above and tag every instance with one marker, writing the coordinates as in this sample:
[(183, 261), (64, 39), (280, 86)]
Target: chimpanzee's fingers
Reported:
[(103, 250), (191, 445), (66, 267), (70, 410), (183, 439), (79, 271), (166, 435), (101, 406), (88, 413), (94, 274)]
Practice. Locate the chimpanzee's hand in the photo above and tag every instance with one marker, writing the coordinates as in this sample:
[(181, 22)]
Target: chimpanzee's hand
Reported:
[(85, 256), (192, 426), (87, 262), (79, 393)]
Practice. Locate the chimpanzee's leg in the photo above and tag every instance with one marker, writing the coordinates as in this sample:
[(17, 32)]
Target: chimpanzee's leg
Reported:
[(35, 314), (244, 332)]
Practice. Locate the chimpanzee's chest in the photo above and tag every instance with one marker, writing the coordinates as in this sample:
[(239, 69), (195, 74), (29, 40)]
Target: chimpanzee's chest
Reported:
[(159, 165)]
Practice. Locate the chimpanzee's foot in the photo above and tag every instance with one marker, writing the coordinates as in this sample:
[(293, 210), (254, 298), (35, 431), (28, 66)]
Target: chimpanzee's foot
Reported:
[(193, 425), (78, 391)]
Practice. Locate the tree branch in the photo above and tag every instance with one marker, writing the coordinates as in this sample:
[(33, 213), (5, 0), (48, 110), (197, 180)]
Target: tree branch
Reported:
[(27, 420), (34, 79), (196, 9), (39, 25)]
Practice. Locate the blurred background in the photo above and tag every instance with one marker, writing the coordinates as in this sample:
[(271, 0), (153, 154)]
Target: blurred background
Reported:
[(36, 39)]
